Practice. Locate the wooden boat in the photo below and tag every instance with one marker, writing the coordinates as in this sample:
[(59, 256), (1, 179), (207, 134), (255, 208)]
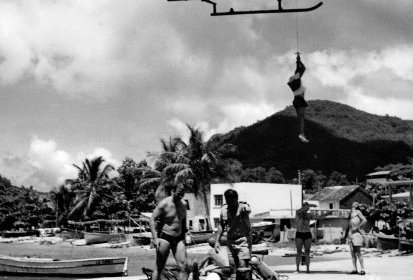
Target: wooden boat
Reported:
[(10, 234), (71, 234), (141, 238), (198, 237), (263, 226), (405, 244), (386, 242), (103, 237), (81, 267)]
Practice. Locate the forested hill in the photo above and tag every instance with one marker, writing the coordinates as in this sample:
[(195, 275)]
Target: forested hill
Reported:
[(20, 206), (343, 139)]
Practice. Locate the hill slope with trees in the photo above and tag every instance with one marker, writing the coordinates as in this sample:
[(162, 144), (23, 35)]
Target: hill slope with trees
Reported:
[(343, 139)]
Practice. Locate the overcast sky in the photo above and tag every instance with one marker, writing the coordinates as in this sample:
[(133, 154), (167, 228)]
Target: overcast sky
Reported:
[(81, 78)]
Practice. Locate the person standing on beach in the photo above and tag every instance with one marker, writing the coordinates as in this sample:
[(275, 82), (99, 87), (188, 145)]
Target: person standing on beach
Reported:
[(235, 218), (168, 227), (355, 237), (303, 235)]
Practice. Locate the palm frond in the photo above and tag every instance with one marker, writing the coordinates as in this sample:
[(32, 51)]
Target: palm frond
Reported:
[(149, 182), (78, 207), (174, 168), (183, 175)]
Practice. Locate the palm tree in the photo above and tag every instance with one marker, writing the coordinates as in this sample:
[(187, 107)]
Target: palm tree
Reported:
[(194, 165), (63, 198), (207, 160), (169, 167), (93, 181)]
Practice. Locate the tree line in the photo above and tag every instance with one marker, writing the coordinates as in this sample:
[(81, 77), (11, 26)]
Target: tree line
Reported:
[(101, 192)]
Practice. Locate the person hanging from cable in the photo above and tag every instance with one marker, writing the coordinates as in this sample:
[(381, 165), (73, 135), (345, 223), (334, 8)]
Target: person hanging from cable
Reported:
[(299, 102)]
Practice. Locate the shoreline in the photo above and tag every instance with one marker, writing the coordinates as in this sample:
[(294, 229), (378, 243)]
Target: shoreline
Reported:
[(143, 256)]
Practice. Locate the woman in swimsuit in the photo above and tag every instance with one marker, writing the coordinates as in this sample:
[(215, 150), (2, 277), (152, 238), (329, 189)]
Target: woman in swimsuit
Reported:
[(299, 102), (355, 237), (303, 235)]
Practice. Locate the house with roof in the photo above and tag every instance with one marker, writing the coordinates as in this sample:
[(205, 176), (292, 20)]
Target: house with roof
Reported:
[(341, 197), (378, 177), (337, 200)]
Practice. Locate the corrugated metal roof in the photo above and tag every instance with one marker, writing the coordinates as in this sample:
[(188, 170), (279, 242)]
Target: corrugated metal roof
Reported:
[(336, 193)]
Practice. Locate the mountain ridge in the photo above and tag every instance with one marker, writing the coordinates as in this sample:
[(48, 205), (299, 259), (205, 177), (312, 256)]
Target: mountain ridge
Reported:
[(343, 139)]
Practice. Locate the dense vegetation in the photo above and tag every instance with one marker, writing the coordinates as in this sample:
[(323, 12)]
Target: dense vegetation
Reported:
[(345, 145), (22, 207)]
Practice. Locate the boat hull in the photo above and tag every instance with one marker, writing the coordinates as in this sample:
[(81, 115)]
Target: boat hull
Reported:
[(198, 237), (84, 267), (96, 237), (387, 243), (143, 238), (12, 234)]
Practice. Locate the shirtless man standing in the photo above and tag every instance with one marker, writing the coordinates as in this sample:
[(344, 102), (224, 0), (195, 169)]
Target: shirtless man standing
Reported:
[(168, 227)]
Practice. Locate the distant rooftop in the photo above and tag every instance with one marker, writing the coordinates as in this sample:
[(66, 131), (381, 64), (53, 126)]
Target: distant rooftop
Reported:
[(379, 173), (336, 193)]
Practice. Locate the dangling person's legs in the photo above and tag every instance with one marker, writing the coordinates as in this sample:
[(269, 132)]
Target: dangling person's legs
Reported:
[(301, 119)]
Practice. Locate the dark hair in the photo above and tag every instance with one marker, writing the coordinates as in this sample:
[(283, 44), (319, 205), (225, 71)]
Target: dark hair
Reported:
[(230, 194)]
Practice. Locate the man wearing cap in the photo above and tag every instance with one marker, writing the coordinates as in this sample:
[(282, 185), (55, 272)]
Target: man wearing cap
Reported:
[(303, 235)]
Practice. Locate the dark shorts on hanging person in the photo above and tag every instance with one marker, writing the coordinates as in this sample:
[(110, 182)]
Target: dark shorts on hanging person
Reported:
[(299, 102)]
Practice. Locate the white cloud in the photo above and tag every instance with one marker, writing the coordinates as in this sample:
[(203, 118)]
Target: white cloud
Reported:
[(99, 151), (180, 127), (341, 68), (50, 162), (381, 106), (91, 48), (231, 116), (44, 166)]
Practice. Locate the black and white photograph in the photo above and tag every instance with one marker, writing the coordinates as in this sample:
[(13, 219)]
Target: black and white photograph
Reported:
[(206, 139)]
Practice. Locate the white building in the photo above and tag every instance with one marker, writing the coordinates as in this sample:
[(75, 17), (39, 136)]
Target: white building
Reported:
[(195, 216), (278, 201)]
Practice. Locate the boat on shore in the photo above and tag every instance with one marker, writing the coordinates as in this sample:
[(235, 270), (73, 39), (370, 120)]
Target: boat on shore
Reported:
[(141, 238), (198, 237), (51, 267), (12, 234), (67, 233), (103, 237), (387, 242)]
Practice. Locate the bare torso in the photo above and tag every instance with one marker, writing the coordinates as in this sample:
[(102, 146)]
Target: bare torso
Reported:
[(173, 216)]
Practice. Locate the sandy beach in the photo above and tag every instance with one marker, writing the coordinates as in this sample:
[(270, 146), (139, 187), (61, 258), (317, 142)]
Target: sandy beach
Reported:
[(327, 260), (139, 256)]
